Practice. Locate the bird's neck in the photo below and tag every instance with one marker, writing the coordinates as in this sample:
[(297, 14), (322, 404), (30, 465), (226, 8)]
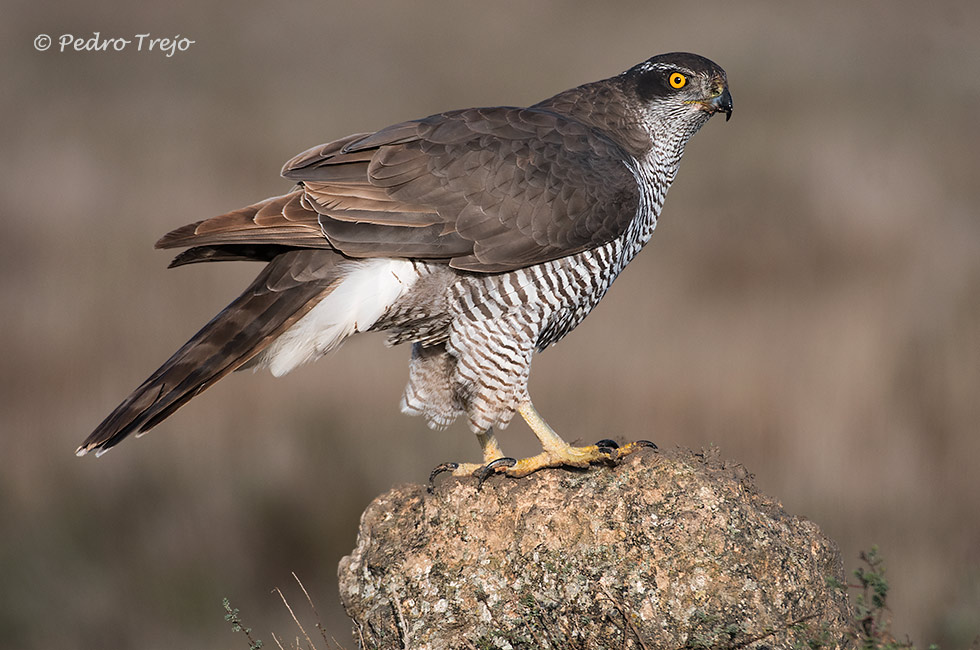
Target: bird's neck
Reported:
[(653, 179)]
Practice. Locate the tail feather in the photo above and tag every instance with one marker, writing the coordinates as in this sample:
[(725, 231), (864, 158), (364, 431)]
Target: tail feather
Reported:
[(289, 286)]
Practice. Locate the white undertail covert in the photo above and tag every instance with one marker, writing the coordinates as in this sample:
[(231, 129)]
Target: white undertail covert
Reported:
[(367, 290)]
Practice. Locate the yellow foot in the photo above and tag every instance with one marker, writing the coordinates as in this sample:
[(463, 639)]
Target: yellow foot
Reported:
[(492, 458), (557, 456), (569, 456), (476, 470)]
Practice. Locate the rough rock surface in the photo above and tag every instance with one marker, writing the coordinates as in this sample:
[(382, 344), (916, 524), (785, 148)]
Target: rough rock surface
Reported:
[(665, 550)]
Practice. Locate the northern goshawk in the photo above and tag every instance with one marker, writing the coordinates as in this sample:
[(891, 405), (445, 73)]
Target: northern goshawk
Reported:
[(479, 236)]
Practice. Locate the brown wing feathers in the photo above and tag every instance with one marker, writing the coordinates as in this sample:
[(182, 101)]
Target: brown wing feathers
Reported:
[(280, 220), (507, 188)]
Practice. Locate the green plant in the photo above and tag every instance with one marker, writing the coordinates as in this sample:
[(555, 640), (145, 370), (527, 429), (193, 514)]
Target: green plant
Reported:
[(236, 625), (872, 619)]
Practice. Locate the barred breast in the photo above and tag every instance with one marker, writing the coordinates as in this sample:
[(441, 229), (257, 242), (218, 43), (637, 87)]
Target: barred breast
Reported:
[(474, 335)]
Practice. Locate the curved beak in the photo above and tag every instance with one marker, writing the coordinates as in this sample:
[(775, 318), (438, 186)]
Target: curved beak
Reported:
[(721, 103)]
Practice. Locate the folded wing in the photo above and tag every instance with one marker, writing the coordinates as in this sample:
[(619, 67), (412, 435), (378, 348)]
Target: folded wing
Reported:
[(484, 190)]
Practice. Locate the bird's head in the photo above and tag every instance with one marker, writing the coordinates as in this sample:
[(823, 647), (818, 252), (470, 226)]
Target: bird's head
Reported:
[(680, 87), (671, 97)]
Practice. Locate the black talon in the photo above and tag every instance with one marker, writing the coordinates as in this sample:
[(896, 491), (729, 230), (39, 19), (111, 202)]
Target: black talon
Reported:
[(610, 448), (437, 470), (490, 468), (646, 443), (503, 460)]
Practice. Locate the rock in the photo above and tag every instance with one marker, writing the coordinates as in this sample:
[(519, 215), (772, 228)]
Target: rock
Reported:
[(665, 550)]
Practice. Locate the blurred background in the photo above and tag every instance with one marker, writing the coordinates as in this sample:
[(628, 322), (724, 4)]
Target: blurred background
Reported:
[(810, 303)]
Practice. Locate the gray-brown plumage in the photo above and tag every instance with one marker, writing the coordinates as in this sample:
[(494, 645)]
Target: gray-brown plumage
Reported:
[(478, 235)]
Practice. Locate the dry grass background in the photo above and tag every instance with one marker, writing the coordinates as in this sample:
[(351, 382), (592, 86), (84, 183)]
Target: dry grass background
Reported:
[(810, 303)]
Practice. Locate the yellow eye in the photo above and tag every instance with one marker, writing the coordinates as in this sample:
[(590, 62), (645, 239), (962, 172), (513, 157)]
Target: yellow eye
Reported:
[(677, 80)]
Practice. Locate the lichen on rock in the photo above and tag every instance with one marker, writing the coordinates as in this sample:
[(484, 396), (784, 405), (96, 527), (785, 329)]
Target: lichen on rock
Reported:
[(664, 550)]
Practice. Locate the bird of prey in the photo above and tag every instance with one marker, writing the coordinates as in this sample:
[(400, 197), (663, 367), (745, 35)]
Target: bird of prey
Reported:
[(479, 236)]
